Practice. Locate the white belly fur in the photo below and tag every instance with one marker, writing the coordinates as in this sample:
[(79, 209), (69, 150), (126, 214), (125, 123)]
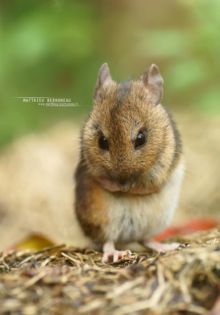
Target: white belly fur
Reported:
[(137, 218)]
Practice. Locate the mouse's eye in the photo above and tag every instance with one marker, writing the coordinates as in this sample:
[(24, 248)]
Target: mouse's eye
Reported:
[(103, 143), (140, 140)]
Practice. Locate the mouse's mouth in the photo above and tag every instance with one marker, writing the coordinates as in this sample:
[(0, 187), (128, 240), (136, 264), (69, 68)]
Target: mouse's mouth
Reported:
[(114, 186)]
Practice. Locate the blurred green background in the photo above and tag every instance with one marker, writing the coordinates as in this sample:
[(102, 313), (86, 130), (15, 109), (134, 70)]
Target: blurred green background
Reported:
[(54, 48)]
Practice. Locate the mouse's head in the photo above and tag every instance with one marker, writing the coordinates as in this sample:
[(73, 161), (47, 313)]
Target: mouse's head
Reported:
[(128, 133)]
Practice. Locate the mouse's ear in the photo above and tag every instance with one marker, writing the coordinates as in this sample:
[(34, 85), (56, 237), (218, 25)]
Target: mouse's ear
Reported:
[(153, 81), (104, 78)]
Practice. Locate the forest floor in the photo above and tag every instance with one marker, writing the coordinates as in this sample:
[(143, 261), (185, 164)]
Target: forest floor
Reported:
[(67, 280)]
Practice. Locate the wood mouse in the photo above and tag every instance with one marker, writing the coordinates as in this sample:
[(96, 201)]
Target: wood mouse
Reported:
[(131, 164)]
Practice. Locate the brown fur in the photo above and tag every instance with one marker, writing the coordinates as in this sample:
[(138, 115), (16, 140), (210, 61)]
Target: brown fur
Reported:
[(119, 112), (90, 207)]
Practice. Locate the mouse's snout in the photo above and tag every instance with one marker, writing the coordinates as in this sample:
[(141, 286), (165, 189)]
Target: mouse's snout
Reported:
[(124, 181)]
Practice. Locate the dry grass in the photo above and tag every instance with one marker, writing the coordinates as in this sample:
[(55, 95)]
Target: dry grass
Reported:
[(65, 280)]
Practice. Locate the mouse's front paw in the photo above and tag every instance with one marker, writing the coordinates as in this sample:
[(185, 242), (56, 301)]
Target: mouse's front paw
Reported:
[(115, 255)]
